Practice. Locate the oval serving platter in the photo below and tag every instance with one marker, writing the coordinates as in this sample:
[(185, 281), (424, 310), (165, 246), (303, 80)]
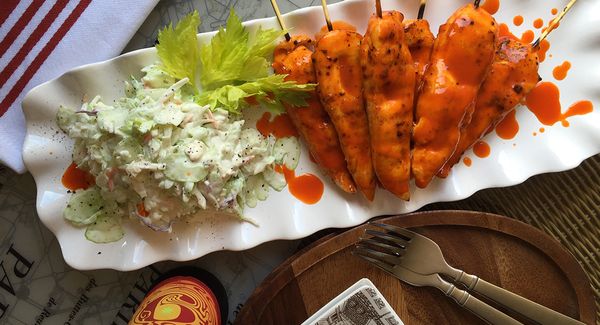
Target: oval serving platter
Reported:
[(47, 152)]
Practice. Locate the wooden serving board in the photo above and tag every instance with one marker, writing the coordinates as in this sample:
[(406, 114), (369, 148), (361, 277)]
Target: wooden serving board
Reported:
[(501, 250)]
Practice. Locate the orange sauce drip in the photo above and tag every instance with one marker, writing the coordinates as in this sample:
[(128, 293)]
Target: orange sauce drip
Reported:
[(508, 127), (527, 36), (534, 134), (518, 20), (337, 25), (554, 11), (141, 210), (560, 72), (350, 76), (307, 188), (504, 31), (544, 47), (579, 108), (544, 102), (542, 130), (467, 161), (75, 178), (280, 127), (481, 149), (491, 6), (252, 101), (538, 23)]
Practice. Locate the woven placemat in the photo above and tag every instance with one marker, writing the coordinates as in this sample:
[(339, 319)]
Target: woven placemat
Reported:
[(565, 205)]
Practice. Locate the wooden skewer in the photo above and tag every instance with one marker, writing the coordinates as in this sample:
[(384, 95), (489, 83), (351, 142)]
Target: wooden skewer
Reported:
[(378, 8), (421, 9), (553, 24), (280, 19), (476, 4), (326, 12)]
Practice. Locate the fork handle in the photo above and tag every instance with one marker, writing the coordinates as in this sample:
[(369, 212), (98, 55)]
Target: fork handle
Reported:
[(480, 308), (532, 310)]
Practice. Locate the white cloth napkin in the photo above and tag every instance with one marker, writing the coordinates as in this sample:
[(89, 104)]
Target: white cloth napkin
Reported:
[(42, 39)]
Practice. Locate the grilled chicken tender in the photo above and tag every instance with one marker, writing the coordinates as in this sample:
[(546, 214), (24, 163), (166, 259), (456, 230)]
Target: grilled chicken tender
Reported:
[(461, 57), (389, 84), (293, 58), (513, 75), (419, 38), (339, 76)]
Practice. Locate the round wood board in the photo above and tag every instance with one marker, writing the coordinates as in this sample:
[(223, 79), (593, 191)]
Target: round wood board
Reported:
[(503, 251)]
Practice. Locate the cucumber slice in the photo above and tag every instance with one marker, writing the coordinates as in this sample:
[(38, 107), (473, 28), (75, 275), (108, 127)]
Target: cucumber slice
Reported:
[(256, 189), (106, 229), (287, 152), (274, 179), (83, 206)]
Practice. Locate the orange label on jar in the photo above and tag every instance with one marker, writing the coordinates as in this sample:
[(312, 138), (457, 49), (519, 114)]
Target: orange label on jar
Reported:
[(178, 300)]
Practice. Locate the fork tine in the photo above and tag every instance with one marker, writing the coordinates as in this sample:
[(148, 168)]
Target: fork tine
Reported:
[(380, 244), (391, 238), (379, 264), (381, 256), (404, 232)]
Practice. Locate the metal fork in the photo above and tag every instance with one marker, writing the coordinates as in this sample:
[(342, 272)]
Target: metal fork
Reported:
[(419, 254), (461, 297)]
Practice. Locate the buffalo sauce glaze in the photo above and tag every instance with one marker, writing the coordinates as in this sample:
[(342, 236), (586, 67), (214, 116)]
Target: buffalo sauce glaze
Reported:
[(419, 39), (307, 188), (504, 31), (527, 36), (280, 127), (508, 127), (544, 47), (349, 77), (293, 58), (538, 23), (481, 149), (560, 72), (446, 100), (513, 73), (544, 102), (491, 6), (76, 179), (337, 25), (554, 11)]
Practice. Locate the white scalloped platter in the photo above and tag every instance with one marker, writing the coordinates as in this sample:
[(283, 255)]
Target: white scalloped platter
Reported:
[(47, 151)]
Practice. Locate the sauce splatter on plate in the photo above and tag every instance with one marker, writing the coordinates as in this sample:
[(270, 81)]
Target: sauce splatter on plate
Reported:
[(544, 102)]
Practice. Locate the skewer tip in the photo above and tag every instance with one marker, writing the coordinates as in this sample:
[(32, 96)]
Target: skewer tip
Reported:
[(476, 3), (421, 9), (553, 24), (326, 12), (378, 8), (280, 19)]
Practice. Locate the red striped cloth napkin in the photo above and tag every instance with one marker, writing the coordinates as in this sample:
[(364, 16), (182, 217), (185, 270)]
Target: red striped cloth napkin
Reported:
[(42, 39)]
